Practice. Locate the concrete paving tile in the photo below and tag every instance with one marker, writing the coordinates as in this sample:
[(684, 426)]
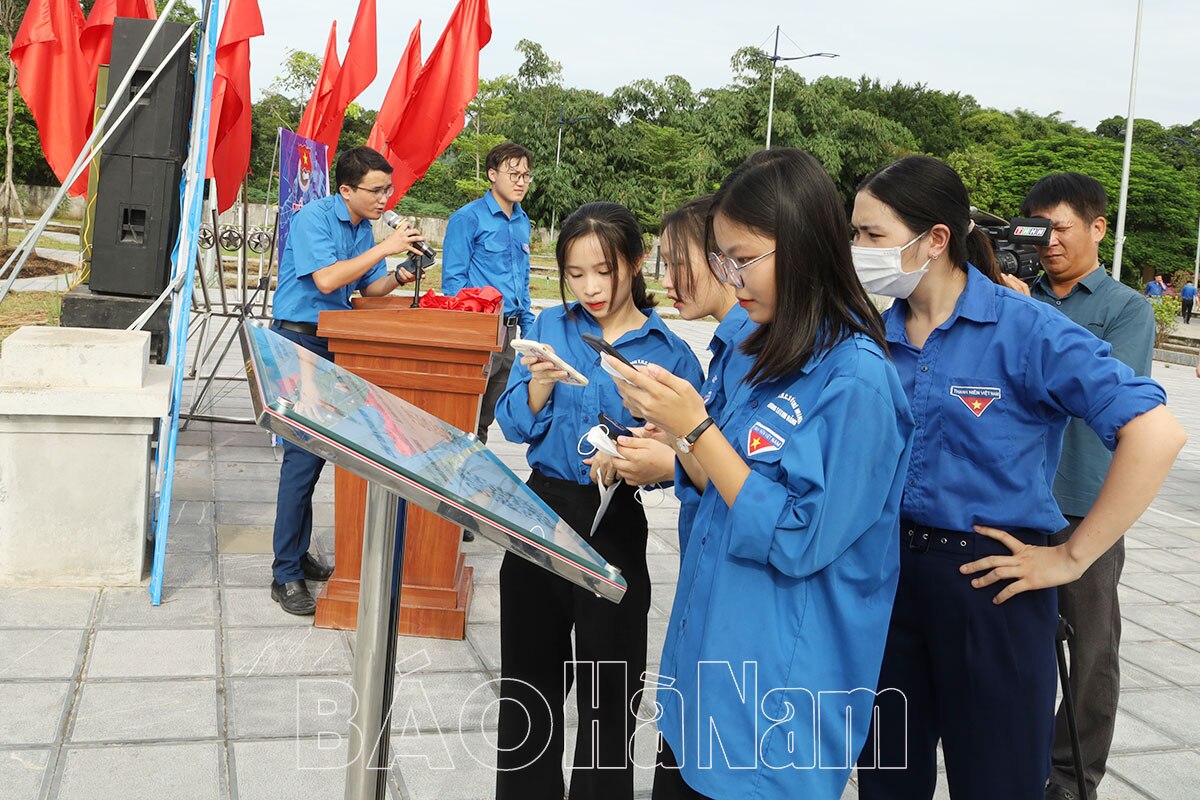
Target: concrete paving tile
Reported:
[(191, 488), (191, 512), (1132, 734), (199, 468), (1113, 788), (431, 655), (142, 772), (246, 436), (1166, 588), (194, 436), (250, 607), (289, 706), (23, 773), (1161, 775), (183, 608), (189, 570), (1134, 677), (134, 653), (485, 605), (252, 652), (1132, 632), (1171, 660), (261, 512), (245, 539), (1158, 559), (664, 569), (249, 470), (445, 766), (150, 711), (296, 768), (40, 654), (1157, 537), (192, 538), (1170, 621), (241, 490), (46, 607), (487, 569), (485, 641), (1171, 710), (33, 713), (246, 454), (192, 452), (245, 569)]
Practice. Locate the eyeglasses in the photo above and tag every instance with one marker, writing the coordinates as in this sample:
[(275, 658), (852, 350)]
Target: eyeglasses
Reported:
[(728, 270), (383, 192), (520, 177)]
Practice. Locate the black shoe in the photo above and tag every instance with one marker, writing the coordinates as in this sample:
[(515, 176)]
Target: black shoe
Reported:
[(293, 597), (314, 568), (468, 536), (1055, 791)]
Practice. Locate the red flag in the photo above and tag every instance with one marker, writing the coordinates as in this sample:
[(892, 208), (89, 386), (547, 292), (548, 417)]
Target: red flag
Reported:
[(399, 90), (357, 73), (53, 77), (96, 39), (322, 94), (229, 121), (449, 81)]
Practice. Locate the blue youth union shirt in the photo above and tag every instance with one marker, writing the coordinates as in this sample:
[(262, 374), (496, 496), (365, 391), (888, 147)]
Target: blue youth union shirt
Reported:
[(485, 247), (784, 598), (553, 435), (992, 391), (321, 234), (727, 366), (1188, 292)]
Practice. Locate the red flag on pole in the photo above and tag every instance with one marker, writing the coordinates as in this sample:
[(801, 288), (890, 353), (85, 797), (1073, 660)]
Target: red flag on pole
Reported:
[(53, 76), (435, 112), (357, 73), (96, 39), (322, 94), (229, 132), (399, 90)]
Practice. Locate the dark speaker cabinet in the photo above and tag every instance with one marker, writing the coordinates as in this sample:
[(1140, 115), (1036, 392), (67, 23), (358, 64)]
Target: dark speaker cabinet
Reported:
[(158, 127)]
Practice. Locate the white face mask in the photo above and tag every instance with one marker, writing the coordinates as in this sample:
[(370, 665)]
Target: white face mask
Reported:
[(880, 272)]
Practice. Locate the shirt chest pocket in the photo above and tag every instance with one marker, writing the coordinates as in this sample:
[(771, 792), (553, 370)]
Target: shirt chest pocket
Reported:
[(976, 420), (496, 242)]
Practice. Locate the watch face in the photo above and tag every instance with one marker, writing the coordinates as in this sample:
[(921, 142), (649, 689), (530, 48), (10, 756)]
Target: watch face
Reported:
[(683, 445)]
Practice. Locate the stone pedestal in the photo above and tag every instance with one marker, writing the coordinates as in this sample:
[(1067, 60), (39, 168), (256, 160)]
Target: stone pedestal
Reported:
[(78, 408)]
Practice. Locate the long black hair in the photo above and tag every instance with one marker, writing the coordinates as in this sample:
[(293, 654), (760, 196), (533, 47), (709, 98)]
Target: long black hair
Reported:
[(786, 194), (924, 191), (682, 228), (620, 238)]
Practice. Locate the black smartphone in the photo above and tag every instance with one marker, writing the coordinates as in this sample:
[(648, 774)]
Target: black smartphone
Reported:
[(615, 428), (601, 346)]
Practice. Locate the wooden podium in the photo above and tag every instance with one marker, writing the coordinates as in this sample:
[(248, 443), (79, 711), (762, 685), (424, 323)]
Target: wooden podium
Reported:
[(437, 360)]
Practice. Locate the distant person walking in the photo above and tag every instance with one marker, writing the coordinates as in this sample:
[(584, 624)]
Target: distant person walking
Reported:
[(1187, 299)]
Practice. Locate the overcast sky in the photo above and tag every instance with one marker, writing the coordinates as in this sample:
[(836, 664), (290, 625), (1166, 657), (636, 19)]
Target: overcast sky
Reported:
[(1072, 56)]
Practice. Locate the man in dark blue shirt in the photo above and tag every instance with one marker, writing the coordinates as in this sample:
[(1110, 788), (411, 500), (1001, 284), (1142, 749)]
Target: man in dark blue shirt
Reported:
[(329, 255), (487, 244), (1155, 288), (1075, 283), (1187, 300)]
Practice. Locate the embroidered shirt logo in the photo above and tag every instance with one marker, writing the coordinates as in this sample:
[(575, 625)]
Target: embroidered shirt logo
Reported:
[(976, 398), (762, 439), (787, 408)]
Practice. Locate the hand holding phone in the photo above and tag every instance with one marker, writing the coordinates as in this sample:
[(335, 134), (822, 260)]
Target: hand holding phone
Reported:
[(528, 347), (604, 348), (613, 427)]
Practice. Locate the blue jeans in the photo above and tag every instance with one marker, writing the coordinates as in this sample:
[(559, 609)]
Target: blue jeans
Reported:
[(298, 476)]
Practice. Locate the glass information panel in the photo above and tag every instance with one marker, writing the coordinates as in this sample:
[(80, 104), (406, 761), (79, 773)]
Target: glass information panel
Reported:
[(344, 419)]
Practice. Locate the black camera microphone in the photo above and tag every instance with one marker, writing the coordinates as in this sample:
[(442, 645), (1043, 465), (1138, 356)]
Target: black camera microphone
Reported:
[(394, 220)]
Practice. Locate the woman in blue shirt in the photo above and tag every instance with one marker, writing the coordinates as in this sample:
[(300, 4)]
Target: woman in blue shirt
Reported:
[(599, 253), (786, 584), (993, 378), (696, 293)]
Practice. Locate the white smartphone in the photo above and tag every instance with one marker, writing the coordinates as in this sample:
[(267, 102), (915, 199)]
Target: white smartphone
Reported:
[(528, 347)]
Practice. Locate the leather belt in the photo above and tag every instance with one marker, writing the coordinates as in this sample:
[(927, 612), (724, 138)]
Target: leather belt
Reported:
[(511, 321), (307, 328), (922, 538)]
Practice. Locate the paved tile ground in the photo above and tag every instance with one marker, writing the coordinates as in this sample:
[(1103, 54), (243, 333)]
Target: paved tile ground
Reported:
[(219, 695)]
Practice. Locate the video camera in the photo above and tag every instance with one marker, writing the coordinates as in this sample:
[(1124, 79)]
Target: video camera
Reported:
[(1013, 242)]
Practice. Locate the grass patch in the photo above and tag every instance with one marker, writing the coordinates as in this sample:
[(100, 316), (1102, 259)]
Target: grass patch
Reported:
[(29, 308)]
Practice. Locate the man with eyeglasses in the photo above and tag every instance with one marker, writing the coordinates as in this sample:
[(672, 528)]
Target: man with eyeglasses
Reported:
[(487, 244), (330, 254)]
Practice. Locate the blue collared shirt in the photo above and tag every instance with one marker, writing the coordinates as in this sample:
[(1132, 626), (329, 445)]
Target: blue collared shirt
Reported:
[(486, 247), (1188, 292), (727, 366), (991, 392), (785, 597), (554, 434), (321, 234), (1117, 314), (1153, 289)]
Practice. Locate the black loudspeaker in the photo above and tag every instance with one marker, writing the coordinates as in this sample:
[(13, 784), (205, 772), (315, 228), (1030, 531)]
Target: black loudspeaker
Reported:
[(158, 128), (137, 221)]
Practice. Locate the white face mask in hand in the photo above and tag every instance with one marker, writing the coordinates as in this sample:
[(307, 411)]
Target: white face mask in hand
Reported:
[(880, 272)]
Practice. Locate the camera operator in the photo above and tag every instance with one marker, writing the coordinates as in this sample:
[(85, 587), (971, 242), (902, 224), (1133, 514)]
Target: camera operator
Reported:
[(1075, 283)]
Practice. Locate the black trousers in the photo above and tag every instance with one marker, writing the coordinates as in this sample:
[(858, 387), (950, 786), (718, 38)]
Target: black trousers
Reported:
[(537, 613), (977, 676), (1186, 308), (668, 781), (501, 365)]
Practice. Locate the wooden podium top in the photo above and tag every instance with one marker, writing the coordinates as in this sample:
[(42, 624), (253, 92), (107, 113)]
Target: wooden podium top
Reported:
[(392, 320)]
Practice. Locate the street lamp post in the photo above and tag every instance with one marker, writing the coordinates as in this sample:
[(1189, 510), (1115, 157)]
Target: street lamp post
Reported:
[(1196, 268), (775, 58), (560, 122)]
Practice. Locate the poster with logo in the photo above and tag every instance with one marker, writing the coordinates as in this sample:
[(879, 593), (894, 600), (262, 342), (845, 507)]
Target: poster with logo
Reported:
[(303, 177)]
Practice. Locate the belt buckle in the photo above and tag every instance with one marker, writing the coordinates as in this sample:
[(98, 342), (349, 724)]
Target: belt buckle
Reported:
[(918, 539)]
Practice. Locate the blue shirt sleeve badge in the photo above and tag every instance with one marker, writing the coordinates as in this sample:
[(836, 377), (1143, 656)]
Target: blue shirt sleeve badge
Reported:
[(976, 398), (761, 440)]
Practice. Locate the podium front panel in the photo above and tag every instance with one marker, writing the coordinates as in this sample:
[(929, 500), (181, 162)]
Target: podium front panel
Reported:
[(356, 425)]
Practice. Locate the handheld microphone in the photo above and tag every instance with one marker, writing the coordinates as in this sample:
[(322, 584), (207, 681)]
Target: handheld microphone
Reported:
[(394, 220)]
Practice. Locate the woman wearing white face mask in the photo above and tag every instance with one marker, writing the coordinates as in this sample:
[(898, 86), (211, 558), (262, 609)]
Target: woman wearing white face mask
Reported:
[(993, 378)]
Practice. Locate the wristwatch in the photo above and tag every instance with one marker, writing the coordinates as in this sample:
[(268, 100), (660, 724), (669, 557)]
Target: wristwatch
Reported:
[(684, 443), (396, 273)]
